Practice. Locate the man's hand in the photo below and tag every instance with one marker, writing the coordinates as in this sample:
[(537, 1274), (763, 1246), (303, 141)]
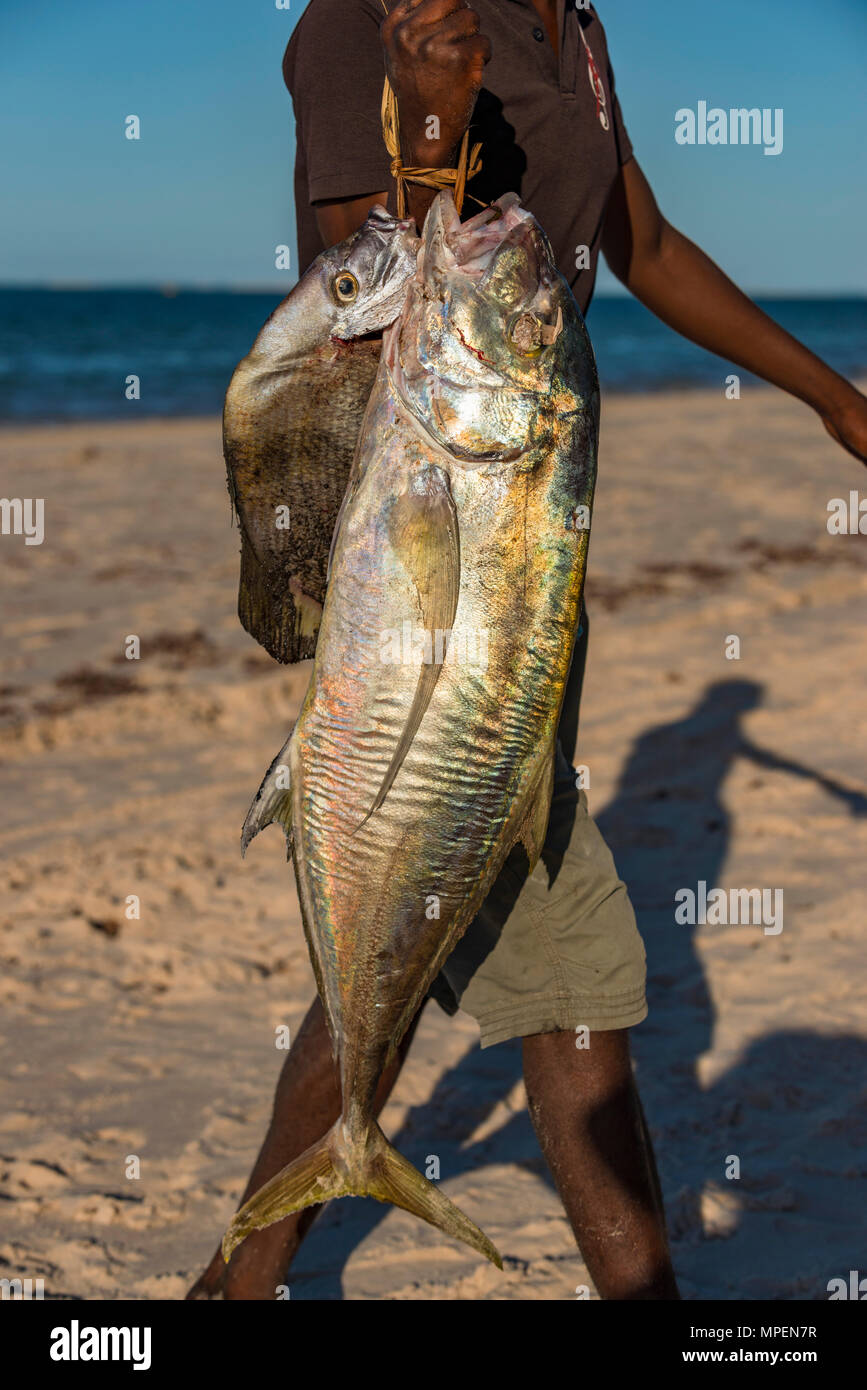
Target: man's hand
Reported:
[(434, 57), (847, 423)]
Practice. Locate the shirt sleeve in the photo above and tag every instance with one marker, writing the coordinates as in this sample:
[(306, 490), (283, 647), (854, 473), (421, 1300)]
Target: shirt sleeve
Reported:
[(621, 136), (625, 151), (334, 69)]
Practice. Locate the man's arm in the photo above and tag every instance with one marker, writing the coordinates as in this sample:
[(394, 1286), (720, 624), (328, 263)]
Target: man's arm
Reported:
[(681, 285), (434, 57), (763, 757)]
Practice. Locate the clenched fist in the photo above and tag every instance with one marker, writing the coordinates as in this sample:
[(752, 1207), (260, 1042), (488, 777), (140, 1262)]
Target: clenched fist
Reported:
[(434, 57)]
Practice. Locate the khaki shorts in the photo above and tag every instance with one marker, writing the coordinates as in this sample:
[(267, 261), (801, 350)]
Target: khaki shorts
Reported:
[(556, 948)]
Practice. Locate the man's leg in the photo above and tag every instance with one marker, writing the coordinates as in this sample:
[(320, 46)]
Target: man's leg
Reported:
[(306, 1105), (588, 1118)]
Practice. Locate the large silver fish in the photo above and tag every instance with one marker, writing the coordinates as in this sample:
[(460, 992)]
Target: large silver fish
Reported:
[(425, 746), (291, 420)]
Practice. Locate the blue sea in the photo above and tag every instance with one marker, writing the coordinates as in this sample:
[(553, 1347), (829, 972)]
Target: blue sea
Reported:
[(66, 354)]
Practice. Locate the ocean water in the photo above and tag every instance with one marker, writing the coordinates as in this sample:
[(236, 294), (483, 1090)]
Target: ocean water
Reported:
[(66, 354)]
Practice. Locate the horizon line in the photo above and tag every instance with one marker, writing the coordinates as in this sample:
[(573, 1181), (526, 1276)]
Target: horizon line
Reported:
[(170, 289)]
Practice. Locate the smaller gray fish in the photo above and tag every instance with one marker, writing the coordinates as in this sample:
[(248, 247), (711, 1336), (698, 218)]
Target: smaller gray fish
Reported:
[(291, 421)]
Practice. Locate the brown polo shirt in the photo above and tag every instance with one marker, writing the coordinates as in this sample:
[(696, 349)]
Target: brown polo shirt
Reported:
[(549, 133)]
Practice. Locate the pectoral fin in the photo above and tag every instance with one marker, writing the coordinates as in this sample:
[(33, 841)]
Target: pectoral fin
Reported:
[(423, 530)]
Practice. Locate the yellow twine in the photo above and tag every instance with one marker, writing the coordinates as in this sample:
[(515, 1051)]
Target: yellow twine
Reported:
[(468, 166)]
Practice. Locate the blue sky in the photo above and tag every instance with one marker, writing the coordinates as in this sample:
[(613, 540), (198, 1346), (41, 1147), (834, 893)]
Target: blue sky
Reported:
[(206, 194)]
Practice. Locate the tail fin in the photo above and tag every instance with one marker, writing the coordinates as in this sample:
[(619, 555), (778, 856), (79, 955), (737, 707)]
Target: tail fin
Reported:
[(338, 1167)]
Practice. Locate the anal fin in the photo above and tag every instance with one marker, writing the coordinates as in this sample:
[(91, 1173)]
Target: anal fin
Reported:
[(272, 802)]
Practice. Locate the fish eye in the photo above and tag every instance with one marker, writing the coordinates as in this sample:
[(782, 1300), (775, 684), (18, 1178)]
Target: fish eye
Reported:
[(345, 287), (525, 334)]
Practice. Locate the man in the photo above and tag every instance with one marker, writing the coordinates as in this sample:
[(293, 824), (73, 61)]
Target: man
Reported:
[(557, 948)]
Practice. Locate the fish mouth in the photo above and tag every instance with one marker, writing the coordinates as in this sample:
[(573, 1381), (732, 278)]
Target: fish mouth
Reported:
[(398, 235), (469, 247), (379, 216), (397, 260)]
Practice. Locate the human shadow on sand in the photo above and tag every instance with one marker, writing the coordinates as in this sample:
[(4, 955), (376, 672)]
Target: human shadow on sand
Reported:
[(794, 1099)]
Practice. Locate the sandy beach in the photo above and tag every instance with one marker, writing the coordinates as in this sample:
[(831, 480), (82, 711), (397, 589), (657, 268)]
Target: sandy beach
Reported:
[(154, 1037)]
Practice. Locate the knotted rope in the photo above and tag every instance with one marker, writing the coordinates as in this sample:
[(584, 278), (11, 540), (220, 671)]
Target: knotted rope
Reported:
[(468, 166)]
